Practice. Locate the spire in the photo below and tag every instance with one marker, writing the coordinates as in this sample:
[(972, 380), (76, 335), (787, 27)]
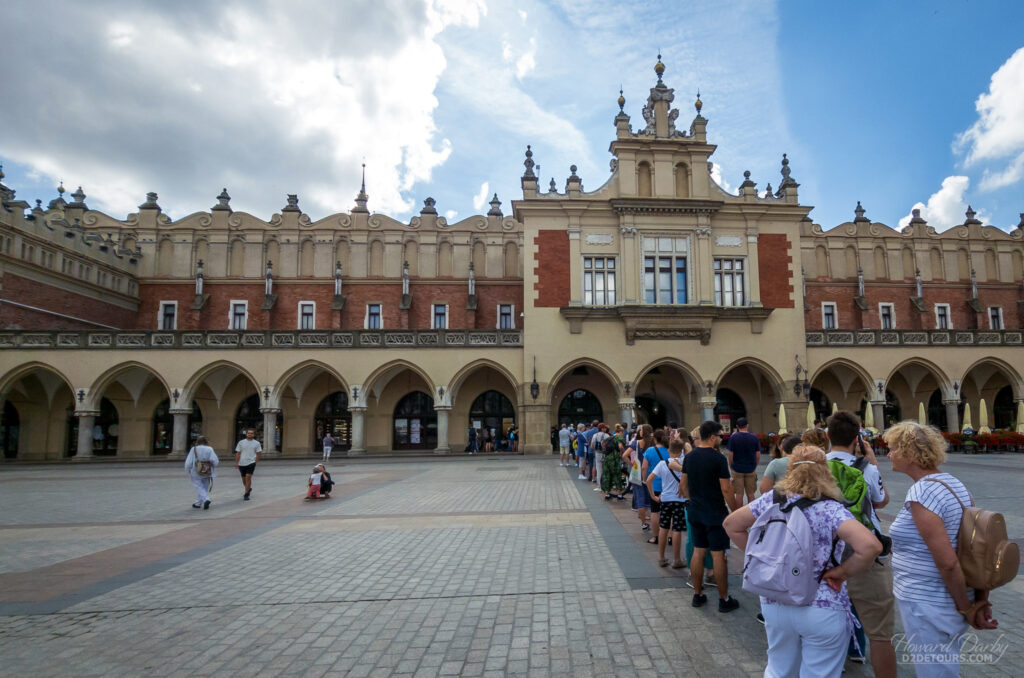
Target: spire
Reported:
[(59, 201), (529, 164), (495, 210), (362, 197), (698, 104), (787, 180), (659, 69)]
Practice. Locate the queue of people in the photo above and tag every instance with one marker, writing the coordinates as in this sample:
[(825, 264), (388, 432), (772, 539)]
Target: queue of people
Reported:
[(817, 516)]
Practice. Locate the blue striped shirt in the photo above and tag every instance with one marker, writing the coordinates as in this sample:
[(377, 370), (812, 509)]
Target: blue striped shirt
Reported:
[(915, 576)]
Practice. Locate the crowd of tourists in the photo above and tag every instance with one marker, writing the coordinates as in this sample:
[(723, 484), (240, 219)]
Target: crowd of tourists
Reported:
[(828, 578)]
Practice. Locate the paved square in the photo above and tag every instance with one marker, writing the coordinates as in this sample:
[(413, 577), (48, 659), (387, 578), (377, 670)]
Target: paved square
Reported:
[(474, 567)]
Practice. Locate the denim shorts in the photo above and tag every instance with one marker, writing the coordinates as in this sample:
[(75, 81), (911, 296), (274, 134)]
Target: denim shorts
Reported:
[(640, 497)]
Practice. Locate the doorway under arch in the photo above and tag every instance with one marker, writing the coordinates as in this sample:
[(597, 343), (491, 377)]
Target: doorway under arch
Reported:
[(332, 416), (492, 410), (248, 416), (9, 431), (653, 411), (163, 427), (414, 424), (580, 407), (729, 407), (105, 430)]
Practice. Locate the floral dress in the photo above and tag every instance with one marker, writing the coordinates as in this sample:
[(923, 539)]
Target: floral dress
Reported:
[(611, 474)]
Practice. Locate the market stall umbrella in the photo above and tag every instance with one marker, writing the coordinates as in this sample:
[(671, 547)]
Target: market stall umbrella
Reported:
[(869, 416), (922, 417), (810, 415), (983, 418), (967, 418), (782, 419), (835, 408)]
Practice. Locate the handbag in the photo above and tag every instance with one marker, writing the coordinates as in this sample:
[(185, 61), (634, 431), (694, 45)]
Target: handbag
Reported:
[(634, 472), (202, 468)]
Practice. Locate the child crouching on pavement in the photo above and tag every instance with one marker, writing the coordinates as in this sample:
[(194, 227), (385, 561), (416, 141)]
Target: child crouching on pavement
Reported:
[(314, 484)]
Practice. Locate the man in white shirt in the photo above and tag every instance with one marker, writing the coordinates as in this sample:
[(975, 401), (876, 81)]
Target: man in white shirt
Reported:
[(247, 452), (564, 445), (871, 590)]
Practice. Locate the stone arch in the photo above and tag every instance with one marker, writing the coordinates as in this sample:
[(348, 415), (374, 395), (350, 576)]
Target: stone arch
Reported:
[(377, 380), (306, 258), (15, 375), (200, 376), (101, 383), (776, 380), (236, 258), (963, 264), (376, 258), (644, 180), (44, 401), (272, 252), (341, 255), (479, 258), (511, 260), (444, 259), (283, 381), (1012, 375), (687, 370), (935, 370), (907, 261), (165, 257), (682, 180), (460, 377), (601, 367), (881, 264), (678, 400), (991, 265), (868, 381), (938, 269), (411, 254), (843, 382), (200, 252), (851, 261), (821, 262)]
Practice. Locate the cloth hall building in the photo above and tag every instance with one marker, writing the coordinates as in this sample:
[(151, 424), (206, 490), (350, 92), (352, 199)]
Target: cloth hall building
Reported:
[(657, 296)]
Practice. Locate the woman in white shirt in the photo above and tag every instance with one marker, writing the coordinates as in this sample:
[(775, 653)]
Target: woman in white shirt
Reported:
[(936, 606)]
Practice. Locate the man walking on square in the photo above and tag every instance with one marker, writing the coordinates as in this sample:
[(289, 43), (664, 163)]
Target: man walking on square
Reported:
[(201, 466), (744, 456), (705, 482), (247, 452), (328, 446)]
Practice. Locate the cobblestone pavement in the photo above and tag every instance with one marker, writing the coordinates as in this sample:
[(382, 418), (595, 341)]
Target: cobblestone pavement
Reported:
[(475, 567)]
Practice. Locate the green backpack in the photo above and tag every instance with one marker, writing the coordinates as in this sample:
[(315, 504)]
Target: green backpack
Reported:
[(850, 480)]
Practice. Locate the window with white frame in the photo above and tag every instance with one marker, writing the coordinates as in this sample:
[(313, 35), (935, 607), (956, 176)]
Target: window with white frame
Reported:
[(995, 317), (439, 318), (729, 282), (373, 319), (829, 318), (506, 317), (943, 321), (239, 315), (307, 315), (598, 281), (168, 319), (665, 280), (887, 315)]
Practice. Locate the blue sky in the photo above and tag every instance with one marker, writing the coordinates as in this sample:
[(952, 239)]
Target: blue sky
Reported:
[(892, 104)]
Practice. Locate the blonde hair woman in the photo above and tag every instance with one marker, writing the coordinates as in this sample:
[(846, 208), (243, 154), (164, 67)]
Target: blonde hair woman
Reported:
[(928, 583), (811, 640)]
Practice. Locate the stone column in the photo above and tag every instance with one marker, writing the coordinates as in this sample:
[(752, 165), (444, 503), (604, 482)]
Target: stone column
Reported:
[(627, 413), (952, 415), (878, 412), (707, 410), (629, 262), (575, 265), (179, 441), (535, 431), (269, 426), (86, 420), (796, 415), (442, 431), (358, 448), (704, 263), (753, 272)]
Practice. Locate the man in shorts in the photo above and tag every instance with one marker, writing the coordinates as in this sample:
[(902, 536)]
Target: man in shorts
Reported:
[(744, 456), (705, 482), (247, 452), (564, 445)]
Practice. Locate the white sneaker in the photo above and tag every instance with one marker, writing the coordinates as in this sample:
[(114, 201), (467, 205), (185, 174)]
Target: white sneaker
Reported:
[(581, 477)]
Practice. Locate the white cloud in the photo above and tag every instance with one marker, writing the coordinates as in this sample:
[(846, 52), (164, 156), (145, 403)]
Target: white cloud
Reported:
[(946, 207), (522, 15), (716, 175), (481, 198), (450, 216), (998, 132), (263, 98), (528, 61)]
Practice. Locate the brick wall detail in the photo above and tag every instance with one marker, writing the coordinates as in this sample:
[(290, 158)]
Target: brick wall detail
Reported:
[(551, 256), (32, 293), (775, 270)]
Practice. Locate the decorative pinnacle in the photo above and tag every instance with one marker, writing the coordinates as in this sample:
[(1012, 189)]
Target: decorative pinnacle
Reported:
[(495, 210), (2, 175), (529, 164), (622, 104), (747, 183), (60, 188), (362, 197), (698, 104), (659, 69), (572, 169), (859, 212), (970, 215), (552, 188), (223, 201), (79, 197)]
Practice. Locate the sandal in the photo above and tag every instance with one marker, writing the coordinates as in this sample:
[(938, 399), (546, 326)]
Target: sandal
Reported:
[(652, 540)]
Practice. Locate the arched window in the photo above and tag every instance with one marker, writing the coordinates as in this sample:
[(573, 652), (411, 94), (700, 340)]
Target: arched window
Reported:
[(163, 427), (492, 410), (580, 407), (201, 253), (1004, 410), (908, 263), (273, 254), (851, 262), (881, 265), (820, 262), (415, 423), (729, 407), (644, 180), (376, 258), (938, 270), (682, 181), (963, 264), (332, 416), (341, 254), (236, 259), (306, 259), (105, 430), (249, 416), (412, 255), (991, 265), (9, 431), (165, 257), (444, 260)]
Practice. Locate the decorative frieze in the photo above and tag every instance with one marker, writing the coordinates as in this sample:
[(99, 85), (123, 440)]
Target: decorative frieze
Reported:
[(914, 338)]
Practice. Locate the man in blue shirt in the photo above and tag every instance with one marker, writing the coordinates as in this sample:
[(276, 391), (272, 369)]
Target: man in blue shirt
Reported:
[(744, 456), (588, 435)]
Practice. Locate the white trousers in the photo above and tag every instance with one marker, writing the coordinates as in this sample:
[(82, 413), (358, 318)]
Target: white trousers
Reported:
[(327, 452), (598, 464), (203, 486), (809, 642), (934, 642)]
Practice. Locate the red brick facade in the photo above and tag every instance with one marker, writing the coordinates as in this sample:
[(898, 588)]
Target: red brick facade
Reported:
[(92, 312), (775, 270), (552, 268)]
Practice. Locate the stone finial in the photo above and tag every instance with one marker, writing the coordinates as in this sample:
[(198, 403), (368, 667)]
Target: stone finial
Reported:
[(60, 190), (970, 216), (552, 188), (572, 170), (659, 69), (293, 203), (529, 164), (223, 201), (78, 199), (768, 190), (59, 201), (915, 213), (362, 197), (150, 203), (495, 210), (859, 213), (1020, 225), (747, 183), (2, 175), (621, 102), (428, 206), (698, 104)]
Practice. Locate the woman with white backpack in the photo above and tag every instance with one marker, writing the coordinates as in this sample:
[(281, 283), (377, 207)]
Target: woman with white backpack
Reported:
[(201, 466), (799, 533)]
